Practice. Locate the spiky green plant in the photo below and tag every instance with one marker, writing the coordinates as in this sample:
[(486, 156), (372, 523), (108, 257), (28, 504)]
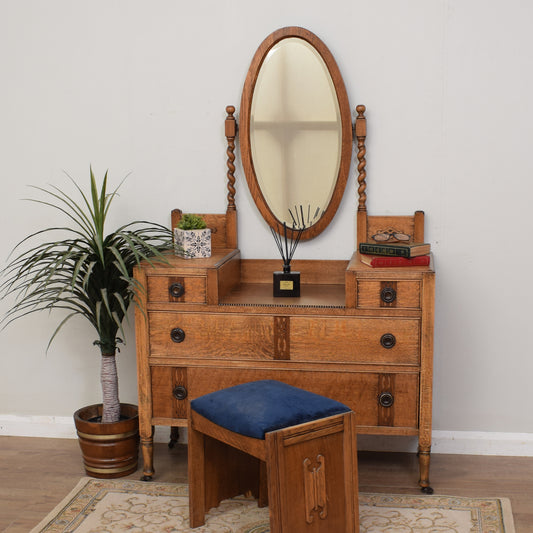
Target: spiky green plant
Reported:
[(190, 221), (86, 272)]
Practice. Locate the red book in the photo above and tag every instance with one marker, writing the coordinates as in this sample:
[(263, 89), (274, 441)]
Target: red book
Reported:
[(382, 261)]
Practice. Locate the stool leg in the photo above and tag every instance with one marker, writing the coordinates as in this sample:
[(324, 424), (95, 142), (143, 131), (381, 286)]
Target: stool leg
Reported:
[(217, 472), (312, 477), (351, 473), (228, 472), (262, 498), (196, 473)]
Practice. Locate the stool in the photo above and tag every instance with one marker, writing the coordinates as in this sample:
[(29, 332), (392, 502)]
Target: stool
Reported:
[(292, 449)]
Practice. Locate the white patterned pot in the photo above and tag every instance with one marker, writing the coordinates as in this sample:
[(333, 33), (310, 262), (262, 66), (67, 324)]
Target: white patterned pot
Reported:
[(192, 243)]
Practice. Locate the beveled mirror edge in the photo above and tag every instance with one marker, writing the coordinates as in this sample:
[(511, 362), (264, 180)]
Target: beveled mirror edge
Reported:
[(346, 127)]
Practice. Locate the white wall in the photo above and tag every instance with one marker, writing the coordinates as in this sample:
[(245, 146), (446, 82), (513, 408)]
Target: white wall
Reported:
[(140, 86)]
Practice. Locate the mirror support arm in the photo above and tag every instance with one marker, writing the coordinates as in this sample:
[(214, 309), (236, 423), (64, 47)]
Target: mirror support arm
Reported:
[(231, 211), (360, 135), (231, 131)]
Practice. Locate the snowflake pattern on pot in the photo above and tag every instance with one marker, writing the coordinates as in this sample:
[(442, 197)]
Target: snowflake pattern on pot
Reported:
[(193, 243)]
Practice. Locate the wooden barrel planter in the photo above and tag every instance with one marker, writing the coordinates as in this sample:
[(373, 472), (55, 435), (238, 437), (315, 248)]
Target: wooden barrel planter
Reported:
[(109, 450)]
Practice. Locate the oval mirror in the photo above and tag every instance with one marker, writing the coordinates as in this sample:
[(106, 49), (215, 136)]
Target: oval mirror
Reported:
[(295, 131)]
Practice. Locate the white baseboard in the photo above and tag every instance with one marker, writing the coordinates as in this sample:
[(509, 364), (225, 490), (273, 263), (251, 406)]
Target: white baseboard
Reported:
[(453, 442), (57, 427), (483, 443)]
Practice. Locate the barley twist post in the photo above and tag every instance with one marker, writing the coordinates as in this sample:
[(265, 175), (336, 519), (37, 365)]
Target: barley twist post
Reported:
[(360, 134), (231, 130)]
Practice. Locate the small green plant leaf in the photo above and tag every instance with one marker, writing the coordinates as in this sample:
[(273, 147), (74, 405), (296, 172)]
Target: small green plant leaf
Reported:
[(190, 221)]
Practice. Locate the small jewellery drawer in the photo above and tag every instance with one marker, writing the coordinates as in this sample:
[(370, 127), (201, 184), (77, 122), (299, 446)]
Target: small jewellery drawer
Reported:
[(211, 336), (373, 294), (378, 399), (169, 392), (187, 289), (356, 340)]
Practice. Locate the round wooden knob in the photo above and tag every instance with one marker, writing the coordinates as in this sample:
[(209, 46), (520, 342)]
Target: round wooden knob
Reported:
[(388, 295), (386, 399), (176, 290), (179, 392), (177, 335), (388, 340)]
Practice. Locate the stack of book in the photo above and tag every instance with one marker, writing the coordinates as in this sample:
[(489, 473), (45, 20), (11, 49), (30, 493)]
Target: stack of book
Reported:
[(394, 255)]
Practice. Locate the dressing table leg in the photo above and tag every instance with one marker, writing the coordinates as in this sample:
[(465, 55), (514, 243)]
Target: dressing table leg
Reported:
[(174, 436), (147, 451), (424, 453)]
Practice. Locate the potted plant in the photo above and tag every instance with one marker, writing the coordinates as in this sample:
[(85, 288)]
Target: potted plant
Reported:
[(88, 273), (192, 237)]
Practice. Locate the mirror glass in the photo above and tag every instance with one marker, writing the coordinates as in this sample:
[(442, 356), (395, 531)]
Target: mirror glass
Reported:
[(295, 143), (295, 130)]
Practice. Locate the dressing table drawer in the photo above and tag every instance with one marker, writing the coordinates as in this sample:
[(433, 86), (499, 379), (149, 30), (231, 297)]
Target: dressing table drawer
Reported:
[(185, 289), (169, 392), (372, 294), (295, 338), (378, 399), (355, 340), (211, 336)]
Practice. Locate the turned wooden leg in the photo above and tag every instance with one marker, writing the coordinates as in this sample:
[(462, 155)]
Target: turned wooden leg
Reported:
[(424, 453), (174, 436), (147, 451)]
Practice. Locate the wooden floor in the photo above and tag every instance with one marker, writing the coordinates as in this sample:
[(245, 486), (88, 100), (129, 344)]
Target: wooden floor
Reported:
[(36, 474)]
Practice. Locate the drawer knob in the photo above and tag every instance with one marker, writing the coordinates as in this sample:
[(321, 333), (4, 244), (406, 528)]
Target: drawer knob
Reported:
[(388, 340), (176, 290), (179, 392), (388, 295), (177, 335), (386, 399)]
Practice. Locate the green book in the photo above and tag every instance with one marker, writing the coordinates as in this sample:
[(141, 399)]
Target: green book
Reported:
[(395, 250)]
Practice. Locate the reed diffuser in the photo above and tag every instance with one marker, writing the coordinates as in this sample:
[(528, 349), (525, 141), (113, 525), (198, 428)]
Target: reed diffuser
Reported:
[(287, 283)]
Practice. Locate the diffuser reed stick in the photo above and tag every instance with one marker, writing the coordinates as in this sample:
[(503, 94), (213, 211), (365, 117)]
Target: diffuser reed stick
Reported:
[(286, 243)]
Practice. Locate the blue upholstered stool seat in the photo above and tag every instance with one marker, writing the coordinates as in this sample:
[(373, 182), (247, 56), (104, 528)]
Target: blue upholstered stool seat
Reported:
[(259, 407)]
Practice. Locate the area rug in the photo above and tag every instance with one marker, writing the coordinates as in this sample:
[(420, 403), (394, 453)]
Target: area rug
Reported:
[(111, 506)]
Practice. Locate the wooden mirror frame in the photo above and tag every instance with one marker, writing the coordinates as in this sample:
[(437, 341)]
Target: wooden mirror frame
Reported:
[(346, 128)]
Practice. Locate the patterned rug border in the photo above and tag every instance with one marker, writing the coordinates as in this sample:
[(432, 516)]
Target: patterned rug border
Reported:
[(498, 506)]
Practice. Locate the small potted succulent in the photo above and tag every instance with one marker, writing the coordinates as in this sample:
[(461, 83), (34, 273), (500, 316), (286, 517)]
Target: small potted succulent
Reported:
[(192, 237), (85, 272)]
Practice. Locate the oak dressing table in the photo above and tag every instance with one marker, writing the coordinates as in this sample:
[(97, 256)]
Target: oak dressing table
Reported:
[(360, 335)]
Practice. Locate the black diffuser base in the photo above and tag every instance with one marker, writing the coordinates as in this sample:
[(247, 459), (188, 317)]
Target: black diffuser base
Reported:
[(287, 284)]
